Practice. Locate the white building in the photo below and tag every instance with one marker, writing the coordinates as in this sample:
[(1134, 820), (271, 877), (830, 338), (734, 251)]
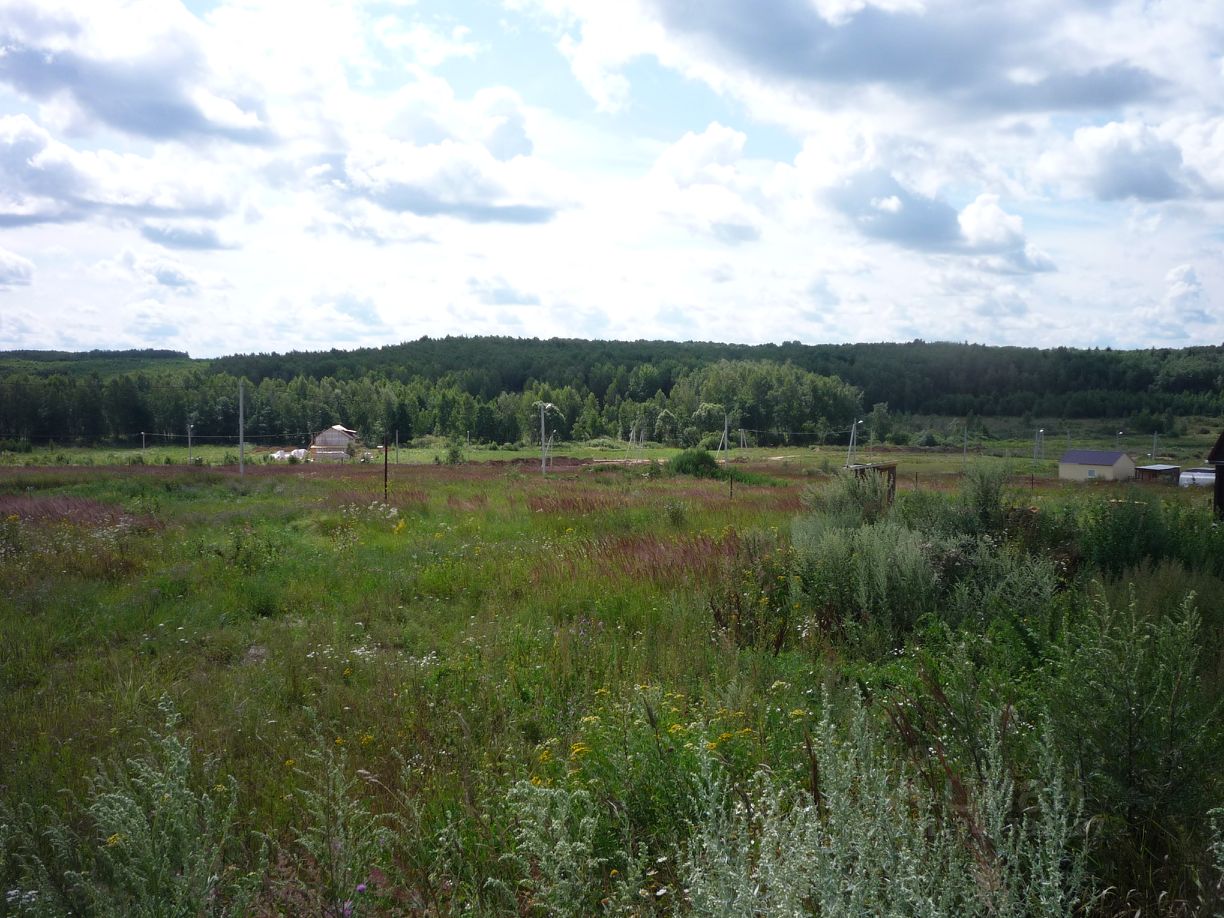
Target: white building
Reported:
[(332, 445), (1095, 465)]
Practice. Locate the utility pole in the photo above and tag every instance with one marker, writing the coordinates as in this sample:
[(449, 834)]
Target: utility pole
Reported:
[(397, 447), (142, 442), (544, 407), (853, 439), (241, 436), (386, 459), (1154, 435)]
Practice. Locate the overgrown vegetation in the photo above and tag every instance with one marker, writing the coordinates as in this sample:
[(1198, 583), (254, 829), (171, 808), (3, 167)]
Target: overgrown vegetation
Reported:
[(607, 691)]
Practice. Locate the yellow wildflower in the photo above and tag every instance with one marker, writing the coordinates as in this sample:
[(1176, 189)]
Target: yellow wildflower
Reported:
[(579, 749), (115, 839)]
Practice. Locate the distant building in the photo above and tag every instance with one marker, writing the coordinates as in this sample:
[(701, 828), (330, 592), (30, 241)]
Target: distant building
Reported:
[(1095, 465), (332, 445), (1159, 473)]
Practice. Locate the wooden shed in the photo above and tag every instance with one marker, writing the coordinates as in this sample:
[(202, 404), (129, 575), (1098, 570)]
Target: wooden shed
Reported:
[(1158, 473), (1216, 459)]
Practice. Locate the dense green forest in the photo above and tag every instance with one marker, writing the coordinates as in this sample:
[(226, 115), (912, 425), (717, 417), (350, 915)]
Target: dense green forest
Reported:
[(484, 388)]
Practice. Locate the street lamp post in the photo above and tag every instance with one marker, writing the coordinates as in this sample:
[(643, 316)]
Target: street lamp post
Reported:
[(853, 439)]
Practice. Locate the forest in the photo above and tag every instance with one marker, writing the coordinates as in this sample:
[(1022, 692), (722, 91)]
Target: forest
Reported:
[(483, 388)]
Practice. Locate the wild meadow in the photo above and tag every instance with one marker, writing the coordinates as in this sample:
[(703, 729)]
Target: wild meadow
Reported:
[(616, 689)]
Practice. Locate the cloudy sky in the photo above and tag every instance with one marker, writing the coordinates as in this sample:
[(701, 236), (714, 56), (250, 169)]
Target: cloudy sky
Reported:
[(253, 175)]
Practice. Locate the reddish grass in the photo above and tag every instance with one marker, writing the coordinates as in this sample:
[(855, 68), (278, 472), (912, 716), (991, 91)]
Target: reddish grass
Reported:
[(643, 557), (78, 511), (573, 504), (468, 504)]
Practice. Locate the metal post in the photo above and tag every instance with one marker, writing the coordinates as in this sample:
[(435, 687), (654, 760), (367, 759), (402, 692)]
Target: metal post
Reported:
[(142, 442), (386, 458), (397, 447), (189, 444), (241, 436)]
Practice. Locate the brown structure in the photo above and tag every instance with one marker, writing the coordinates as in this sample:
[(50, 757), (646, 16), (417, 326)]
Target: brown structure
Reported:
[(886, 469), (1159, 474), (1216, 459)]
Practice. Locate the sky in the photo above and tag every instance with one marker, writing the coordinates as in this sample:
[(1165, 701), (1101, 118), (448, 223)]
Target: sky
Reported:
[(235, 176)]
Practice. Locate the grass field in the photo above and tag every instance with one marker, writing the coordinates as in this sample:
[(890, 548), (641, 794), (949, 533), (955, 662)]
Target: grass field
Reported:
[(498, 692)]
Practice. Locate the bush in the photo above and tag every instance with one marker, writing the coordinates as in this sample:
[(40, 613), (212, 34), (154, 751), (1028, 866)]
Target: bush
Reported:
[(854, 499), (982, 495), (696, 462), (155, 846), (1118, 534), (869, 838), (1129, 710), (877, 573)]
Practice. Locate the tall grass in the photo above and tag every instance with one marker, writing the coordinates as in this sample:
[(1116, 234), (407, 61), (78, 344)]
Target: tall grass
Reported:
[(604, 692)]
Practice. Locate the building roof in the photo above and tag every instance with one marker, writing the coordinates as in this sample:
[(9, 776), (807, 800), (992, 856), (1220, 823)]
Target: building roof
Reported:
[(1216, 456), (1091, 456), (342, 429)]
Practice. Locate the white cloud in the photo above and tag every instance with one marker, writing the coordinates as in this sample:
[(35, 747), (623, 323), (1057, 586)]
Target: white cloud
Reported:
[(134, 66), (363, 172), (15, 271), (1120, 161), (450, 179), (428, 46), (46, 181), (985, 225)]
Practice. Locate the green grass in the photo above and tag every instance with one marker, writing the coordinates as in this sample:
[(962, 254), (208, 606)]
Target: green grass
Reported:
[(607, 630)]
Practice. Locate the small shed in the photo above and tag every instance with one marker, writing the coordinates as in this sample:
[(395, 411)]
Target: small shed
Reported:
[(1095, 465), (332, 444), (1216, 459), (886, 470), (1159, 473)]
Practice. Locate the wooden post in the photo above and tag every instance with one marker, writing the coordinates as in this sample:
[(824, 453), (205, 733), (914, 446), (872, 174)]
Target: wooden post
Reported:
[(1218, 501), (386, 459)]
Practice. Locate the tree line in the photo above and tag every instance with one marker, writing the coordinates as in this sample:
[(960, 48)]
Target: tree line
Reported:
[(773, 400), (485, 388)]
